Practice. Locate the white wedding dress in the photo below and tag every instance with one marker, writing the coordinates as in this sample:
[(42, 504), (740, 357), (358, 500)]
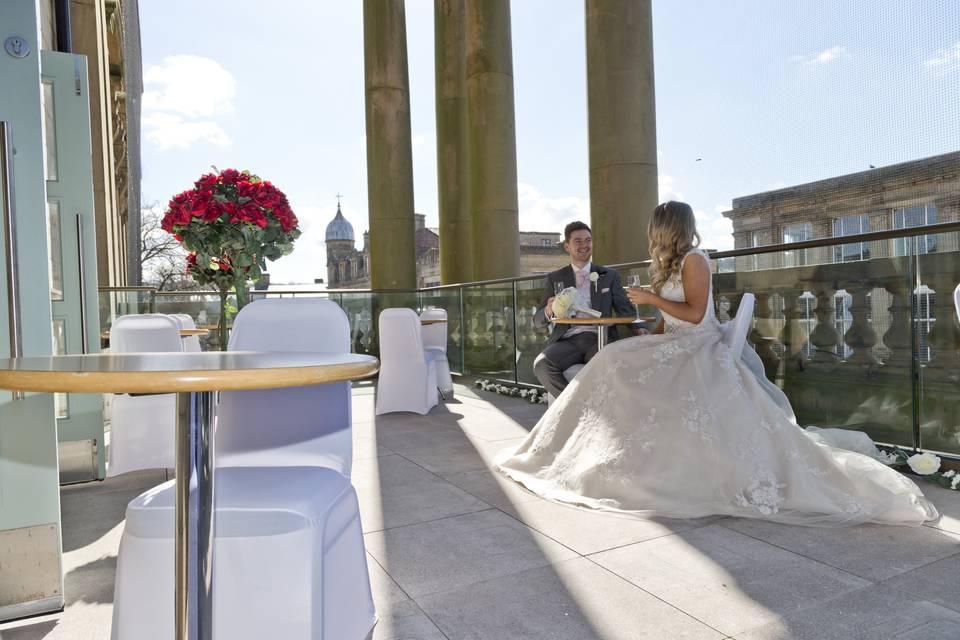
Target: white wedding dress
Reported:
[(674, 425)]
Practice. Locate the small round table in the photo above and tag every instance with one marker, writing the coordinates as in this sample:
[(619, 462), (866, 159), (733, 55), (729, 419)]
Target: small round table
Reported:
[(184, 333), (602, 324), (194, 377)]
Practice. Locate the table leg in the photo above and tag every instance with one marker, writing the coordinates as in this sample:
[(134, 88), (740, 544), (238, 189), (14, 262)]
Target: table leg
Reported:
[(601, 337), (194, 442)]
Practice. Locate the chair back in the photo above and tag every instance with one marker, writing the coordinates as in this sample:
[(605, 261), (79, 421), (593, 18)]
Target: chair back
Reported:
[(401, 340), (315, 325), (145, 333), (434, 335), (297, 426), (735, 333), (191, 344)]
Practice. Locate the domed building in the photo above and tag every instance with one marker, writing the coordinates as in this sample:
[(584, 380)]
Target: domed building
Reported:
[(349, 268)]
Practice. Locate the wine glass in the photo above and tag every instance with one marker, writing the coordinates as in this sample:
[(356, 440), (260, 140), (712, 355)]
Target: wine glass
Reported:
[(634, 282), (557, 288)]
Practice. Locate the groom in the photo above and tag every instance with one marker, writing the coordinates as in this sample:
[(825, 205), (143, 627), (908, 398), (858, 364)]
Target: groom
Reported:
[(569, 345)]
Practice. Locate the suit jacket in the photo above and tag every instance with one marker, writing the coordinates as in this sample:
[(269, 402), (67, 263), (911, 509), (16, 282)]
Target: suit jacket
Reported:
[(607, 297)]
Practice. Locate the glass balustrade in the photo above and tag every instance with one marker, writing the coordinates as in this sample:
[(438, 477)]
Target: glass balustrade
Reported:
[(868, 341)]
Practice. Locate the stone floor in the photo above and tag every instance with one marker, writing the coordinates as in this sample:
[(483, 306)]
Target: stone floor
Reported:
[(457, 551)]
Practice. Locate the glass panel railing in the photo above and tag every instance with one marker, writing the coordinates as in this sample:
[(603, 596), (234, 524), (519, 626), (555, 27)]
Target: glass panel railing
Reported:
[(836, 337), (531, 339), (116, 302), (937, 341), (363, 308), (449, 300), (202, 306), (489, 346)]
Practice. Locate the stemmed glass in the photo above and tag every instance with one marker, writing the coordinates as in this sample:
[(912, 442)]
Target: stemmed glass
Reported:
[(557, 288), (633, 281)]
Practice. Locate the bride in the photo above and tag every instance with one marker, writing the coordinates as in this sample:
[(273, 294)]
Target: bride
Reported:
[(674, 424)]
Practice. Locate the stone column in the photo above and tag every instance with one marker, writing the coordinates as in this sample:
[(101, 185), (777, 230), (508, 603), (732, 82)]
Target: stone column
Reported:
[(491, 137), (456, 249), (389, 153), (622, 126)]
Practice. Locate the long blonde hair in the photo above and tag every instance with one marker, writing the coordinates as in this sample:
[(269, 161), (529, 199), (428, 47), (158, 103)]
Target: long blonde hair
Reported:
[(673, 233)]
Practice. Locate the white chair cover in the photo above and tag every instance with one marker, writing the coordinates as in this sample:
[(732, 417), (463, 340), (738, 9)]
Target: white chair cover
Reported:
[(191, 344), (435, 341), (294, 568), (288, 530), (309, 426), (142, 427), (408, 374)]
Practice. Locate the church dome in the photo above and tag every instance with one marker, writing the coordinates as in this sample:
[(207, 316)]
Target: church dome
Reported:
[(339, 228)]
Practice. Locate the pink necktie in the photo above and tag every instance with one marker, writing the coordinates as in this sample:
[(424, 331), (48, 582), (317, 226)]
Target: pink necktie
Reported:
[(581, 278)]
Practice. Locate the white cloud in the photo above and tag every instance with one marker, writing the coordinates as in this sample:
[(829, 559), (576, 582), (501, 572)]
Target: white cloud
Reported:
[(715, 230), (946, 59), (666, 190), (541, 213), (193, 86), (182, 98), (169, 131), (832, 54)]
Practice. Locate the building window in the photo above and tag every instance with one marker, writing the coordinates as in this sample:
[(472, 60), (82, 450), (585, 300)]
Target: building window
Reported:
[(914, 217), (798, 232), (851, 226), (756, 239), (546, 242)]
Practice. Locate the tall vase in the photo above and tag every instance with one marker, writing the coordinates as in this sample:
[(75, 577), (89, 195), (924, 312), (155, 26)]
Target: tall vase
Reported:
[(222, 324)]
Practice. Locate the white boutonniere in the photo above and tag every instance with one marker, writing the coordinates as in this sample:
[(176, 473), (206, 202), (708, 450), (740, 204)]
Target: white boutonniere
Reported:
[(594, 276)]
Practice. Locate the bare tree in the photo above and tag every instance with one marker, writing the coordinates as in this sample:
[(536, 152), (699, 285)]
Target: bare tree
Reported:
[(162, 259)]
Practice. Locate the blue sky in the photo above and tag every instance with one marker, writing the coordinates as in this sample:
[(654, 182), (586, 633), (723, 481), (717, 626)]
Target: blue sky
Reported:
[(766, 94)]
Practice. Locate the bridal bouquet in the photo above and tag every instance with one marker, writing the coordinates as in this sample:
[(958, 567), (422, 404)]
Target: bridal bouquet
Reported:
[(567, 304)]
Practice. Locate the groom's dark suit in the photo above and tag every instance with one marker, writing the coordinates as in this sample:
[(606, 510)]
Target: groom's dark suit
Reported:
[(606, 296)]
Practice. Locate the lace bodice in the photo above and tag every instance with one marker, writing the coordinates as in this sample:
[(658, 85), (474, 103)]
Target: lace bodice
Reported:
[(673, 290)]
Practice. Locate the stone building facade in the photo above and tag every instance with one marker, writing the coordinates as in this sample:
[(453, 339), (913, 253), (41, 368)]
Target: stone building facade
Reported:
[(899, 196), (349, 267)]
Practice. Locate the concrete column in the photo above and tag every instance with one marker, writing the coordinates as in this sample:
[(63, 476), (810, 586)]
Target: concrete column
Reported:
[(623, 127), (456, 249), (389, 153), (492, 140)]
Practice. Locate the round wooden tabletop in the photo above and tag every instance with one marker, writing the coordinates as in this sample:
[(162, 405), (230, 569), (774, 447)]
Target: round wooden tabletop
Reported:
[(184, 333), (603, 321), (181, 372), (437, 321)]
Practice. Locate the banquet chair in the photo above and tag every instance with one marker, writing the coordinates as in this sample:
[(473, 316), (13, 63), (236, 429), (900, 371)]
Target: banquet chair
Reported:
[(142, 426), (435, 341), (286, 512), (191, 344), (408, 374)]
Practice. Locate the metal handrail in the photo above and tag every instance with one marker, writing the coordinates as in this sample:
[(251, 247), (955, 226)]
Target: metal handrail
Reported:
[(872, 236)]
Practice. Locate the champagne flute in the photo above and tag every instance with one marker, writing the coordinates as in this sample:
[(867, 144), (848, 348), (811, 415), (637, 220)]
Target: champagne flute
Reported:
[(634, 282)]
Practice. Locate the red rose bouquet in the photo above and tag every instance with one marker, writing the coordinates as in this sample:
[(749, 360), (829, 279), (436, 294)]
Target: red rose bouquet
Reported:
[(231, 223)]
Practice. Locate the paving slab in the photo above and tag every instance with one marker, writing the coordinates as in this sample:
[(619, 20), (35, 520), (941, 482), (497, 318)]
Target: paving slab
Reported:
[(937, 582), (571, 600), (871, 551), (394, 492), (725, 579), (873, 613), (455, 552)]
